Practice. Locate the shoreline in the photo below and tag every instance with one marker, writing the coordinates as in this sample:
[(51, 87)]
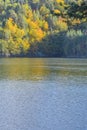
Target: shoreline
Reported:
[(82, 57)]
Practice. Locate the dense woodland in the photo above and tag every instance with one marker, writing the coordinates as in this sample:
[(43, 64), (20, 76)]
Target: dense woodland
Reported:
[(43, 28)]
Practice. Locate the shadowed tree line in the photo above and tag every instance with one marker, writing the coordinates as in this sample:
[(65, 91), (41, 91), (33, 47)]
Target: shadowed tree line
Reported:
[(72, 43)]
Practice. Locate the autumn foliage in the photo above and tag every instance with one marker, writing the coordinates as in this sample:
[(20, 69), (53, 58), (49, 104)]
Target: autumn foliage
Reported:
[(26, 26)]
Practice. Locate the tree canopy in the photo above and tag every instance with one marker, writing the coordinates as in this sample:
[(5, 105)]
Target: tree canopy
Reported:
[(41, 27)]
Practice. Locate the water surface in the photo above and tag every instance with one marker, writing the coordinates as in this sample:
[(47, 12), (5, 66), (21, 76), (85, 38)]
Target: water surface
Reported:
[(43, 94)]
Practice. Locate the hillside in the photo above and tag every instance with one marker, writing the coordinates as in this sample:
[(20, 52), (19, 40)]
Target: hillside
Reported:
[(43, 28)]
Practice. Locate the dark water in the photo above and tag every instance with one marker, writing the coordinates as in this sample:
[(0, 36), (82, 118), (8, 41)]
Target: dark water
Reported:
[(43, 94)]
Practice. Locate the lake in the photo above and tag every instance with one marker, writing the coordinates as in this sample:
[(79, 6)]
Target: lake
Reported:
[(43, 94)]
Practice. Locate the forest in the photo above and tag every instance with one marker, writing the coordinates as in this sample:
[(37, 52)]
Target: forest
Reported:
[(43, 28)]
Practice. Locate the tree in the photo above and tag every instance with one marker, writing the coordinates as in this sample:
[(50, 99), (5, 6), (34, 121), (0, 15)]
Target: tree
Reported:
[(78, 10)]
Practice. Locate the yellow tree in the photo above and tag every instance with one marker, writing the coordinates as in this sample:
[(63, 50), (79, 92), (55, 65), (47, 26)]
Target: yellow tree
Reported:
[(16, 42), (34, 31)]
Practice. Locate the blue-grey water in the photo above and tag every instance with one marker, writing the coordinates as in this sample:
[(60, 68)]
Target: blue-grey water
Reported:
[(43, 94)]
